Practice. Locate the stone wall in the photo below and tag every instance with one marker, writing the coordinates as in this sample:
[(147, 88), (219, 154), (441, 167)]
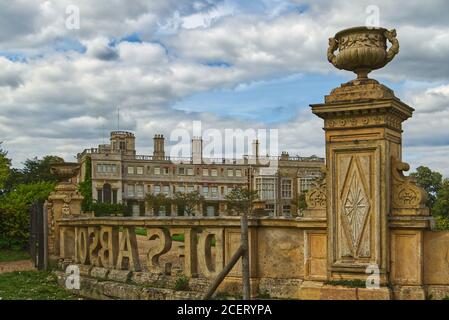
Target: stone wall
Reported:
[(283, 252)]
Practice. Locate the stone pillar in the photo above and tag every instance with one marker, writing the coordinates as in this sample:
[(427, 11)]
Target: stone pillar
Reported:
[(362, 124), (64, 202), (375, 215), (366, 194)]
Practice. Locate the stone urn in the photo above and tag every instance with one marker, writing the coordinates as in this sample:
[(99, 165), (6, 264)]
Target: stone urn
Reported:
[(64, 171), (362, 49)]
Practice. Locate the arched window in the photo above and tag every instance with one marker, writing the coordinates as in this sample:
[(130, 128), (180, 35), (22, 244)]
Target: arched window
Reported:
[(107, 193)]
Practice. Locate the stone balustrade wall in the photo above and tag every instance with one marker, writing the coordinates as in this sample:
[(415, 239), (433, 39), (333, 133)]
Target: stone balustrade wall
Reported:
[(280, 248)]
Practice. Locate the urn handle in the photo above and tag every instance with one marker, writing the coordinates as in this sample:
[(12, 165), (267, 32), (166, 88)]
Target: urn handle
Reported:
[(333, 45), (394, 49)]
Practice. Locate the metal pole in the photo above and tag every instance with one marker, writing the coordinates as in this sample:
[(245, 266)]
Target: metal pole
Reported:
[(245, 257), (223, 273), (244, 241)]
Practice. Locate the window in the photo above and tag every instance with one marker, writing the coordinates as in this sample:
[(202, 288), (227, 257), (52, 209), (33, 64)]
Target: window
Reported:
[(286, 210), (210, 211), (190, 188), (130, 190), (238, 173), (190, 171), (107, 193), (270, 209), (130, 170), (305, 184), (114, 196), (205, 172), (230, 173), (99, 195), (165, 170), (122, 145), (162, 211), (157, 170), (139, 191), (205, 190), (157, 189), (136, 210), (181, 189), (214, 191), (213, 172), (266, 188), (106, 168), (286, 188), (139, 170), (166, 189), (181, 171)]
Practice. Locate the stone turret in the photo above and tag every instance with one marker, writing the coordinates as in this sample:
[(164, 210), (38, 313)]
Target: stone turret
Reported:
[(123, 141)]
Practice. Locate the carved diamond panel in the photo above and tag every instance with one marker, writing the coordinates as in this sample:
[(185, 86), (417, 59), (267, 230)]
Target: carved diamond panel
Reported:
[(354, 206)]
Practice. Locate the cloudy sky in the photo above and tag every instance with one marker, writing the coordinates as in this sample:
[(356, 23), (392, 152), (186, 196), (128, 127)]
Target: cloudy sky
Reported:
[(229, 64)]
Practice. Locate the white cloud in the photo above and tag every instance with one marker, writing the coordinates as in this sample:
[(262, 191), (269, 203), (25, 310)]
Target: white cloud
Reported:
[(63, 100)]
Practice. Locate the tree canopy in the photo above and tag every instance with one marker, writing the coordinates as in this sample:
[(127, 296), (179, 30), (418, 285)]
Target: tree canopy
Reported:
[(240, 200), (186, 202), (5, 163), (430, 181)]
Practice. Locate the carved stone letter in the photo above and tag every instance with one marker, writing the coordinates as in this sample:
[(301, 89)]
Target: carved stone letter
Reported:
[(162, 246), (206, 263), (107, 254), (81, 245), (128, 257)]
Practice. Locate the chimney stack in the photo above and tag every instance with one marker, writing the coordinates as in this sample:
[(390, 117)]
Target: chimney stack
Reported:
[(197, 150), (158, 147), (255, 147)]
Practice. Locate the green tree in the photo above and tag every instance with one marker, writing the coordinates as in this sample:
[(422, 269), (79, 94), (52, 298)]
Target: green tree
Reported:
[(14, 218), (240, 200), (5, 163), (38, 170), (441, 205), (156, 201), (430, 181), (186, 202)]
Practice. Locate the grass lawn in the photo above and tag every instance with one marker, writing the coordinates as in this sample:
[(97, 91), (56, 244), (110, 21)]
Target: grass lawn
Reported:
[(13, 255), (32, 285)]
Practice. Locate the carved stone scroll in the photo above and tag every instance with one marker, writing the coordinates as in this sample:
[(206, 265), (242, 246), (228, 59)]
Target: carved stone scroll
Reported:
[(407, 197), (316, 197), (128, 257)]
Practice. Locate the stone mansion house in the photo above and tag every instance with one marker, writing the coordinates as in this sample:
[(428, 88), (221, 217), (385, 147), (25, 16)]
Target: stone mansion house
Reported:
[(119, 175)]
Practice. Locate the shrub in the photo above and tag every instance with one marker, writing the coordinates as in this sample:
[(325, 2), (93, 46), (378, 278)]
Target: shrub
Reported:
[(106, 209), (14, 216), (182, 284), (442, 223)]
